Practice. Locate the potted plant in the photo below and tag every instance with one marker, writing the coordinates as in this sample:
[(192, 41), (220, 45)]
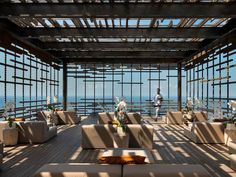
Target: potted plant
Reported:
[(10, 132), (232, 117), (119, 118), (9, 107)]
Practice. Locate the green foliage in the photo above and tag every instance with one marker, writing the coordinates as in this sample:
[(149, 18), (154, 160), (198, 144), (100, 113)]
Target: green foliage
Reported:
[(10, 121), (51, 108)]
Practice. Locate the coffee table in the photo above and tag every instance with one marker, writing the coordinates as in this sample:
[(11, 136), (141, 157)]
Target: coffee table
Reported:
[(129, 151)]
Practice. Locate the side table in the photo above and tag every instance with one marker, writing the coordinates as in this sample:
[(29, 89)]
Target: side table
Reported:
[(10, 136), (121, 140)]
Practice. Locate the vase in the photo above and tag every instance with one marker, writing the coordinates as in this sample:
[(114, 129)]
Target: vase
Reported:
[(120, 131)]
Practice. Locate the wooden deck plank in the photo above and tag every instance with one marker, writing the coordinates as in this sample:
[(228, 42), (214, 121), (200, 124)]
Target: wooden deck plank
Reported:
[(170, 146)]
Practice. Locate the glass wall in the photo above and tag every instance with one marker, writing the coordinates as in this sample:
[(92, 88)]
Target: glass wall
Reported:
[(26, 82), (92, 87), (213, 81)]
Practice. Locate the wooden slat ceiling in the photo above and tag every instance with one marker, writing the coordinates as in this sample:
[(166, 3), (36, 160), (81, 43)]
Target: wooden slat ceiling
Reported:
[(159, 30)]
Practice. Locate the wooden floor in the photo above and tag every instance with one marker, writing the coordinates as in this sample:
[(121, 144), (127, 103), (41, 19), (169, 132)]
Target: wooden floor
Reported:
[(171, 147)]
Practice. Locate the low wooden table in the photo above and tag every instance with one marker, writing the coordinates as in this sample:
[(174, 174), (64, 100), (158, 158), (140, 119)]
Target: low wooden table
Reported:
[(123, 152)]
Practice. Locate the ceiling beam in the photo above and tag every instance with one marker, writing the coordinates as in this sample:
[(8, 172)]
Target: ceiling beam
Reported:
[(124, 46), (122, 32), (119, 54), (7, 38), (114, 10), (211, 48), (122, 60)]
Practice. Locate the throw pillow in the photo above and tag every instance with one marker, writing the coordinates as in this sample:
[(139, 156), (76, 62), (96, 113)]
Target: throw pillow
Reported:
[(18, 119), (136, 159)]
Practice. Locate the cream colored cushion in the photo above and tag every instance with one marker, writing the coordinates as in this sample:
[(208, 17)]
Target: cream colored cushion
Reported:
[(141, 136), (68, 117), (174, 117), (205, 132), (97, 136), (201, 116), (105, 117), (232, 147), (79, 170), (164, 170), (133, 118)]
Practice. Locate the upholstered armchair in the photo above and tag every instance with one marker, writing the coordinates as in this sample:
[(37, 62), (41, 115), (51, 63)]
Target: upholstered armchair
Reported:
[(44, 116), (35, 132)]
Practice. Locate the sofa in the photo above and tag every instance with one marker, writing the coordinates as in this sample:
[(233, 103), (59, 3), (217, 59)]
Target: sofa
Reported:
[(68, 117), (102, 136), (205, 132), (35, 132), (107, 117), (58, 117), (116, 170), (44, 116)]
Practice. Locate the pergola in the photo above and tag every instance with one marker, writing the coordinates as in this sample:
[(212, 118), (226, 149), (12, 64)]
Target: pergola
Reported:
[(80, 82), (60, 32)]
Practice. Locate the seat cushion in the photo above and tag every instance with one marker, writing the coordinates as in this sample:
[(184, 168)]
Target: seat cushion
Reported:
[(79, 170), (174, 117), (164, 170), (232, 147), (126, 159)]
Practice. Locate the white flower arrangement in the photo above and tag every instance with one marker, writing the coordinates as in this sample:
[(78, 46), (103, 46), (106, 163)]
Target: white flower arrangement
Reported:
[(120, 110), (232, 106), (198, 103), (48, 100), (9, 106), (189, 104), (55, 99)]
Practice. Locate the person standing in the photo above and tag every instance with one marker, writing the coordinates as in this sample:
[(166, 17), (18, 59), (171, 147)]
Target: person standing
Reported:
[(157, 101)]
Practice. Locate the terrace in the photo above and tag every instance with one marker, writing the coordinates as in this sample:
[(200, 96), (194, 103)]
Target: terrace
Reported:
[(76, 56)]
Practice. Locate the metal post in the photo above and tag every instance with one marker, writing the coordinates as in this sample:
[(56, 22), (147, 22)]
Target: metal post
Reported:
[(179, 87), (64, 86)]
